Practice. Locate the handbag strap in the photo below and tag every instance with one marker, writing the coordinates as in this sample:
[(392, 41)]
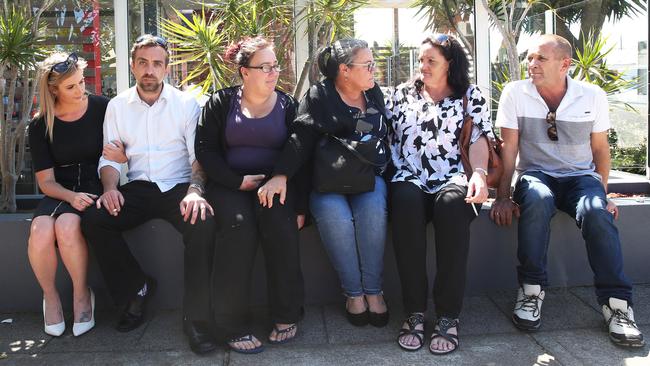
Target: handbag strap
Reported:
[(354, 151)]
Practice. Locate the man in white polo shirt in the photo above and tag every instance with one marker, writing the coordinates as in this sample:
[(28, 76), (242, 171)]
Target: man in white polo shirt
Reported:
[(557, 127), (156, 124)]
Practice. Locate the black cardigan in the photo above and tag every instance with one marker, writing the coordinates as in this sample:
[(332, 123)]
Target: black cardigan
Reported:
[(210, 142), (321, 111)]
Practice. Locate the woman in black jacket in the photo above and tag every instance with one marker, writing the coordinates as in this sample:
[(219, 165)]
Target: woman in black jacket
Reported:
[(240, 135), (348, 104)]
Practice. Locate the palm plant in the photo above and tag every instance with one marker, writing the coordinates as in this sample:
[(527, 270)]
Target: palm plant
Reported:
[(443, 16), (590, 65), (20, 49), (326, 20), (199, 41), (202, 40)]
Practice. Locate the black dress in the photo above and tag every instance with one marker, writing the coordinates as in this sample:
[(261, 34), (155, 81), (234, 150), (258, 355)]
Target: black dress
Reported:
[(73, 154)]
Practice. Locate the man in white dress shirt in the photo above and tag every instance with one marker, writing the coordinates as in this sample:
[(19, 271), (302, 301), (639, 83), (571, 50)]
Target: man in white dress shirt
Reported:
[(156, 125)]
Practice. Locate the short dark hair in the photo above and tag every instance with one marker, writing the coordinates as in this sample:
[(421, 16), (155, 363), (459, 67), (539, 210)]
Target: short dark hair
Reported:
[(454, 53), (149, 40), (340, 52)]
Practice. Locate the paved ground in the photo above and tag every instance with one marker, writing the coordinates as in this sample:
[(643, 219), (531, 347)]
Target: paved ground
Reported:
[(572, 334)]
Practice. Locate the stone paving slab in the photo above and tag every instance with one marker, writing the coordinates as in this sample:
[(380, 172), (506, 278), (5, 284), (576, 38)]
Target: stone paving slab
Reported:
[(571, 334), (24, 335), (640, 295), (498, 349), (340, 331), (590, 347), (561, 309), (111, 358)]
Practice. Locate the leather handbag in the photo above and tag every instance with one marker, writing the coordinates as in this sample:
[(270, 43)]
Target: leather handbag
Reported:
[(495, 165), (346, 166)]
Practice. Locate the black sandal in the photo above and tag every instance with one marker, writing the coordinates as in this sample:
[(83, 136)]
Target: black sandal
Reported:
[(444, 324), (246, 338), (279, 331), (412, 321)]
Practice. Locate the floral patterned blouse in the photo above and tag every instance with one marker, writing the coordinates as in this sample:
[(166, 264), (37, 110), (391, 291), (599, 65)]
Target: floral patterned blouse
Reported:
[(424, 136)]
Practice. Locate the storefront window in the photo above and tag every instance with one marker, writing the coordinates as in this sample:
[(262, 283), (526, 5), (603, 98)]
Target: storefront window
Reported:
[(84, 27)]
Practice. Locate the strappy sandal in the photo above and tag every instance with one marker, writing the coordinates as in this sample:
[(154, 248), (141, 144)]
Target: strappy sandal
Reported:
[(246, 338), (279, 332), (412, 321), (444, 324)]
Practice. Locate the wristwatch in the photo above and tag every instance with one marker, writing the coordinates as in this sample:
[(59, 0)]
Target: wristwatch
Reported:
[(481, 170), (198, 187)]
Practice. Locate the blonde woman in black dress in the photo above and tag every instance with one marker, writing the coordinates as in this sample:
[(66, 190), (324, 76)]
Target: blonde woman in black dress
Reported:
[(65, 140)]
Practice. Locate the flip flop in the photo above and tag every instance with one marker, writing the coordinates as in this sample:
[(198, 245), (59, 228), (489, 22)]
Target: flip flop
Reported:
[(246, 338), (283, 331)]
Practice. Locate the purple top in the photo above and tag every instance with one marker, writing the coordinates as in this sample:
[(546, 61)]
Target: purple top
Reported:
[(253, 144)]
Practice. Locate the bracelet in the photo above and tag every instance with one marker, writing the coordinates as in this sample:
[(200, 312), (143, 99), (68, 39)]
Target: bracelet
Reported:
[(198, 187), (481, 170)]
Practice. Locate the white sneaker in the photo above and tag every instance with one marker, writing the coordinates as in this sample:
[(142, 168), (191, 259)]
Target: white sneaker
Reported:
[(528, 308), (619, 319)]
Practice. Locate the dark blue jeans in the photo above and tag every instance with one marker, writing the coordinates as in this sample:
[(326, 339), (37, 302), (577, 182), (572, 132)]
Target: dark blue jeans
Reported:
[(582, 197)]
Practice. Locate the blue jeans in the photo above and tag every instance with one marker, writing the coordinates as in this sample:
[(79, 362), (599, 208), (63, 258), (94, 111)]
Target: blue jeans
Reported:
[(353, 230), (582, 197)]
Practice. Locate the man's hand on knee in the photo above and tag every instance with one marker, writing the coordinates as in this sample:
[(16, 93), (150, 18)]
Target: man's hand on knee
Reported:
[(194, 206), (112, 200), (502, 211)]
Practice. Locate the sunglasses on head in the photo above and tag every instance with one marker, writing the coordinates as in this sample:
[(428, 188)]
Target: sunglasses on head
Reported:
[(552, 129), (159, 40), (439, 39), (64, 66), (369, 65)]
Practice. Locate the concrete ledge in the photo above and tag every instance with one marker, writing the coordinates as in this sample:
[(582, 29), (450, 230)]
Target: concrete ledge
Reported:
[(492, 260)]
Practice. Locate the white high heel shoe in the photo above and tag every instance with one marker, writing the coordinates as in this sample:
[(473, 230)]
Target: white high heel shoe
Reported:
[(83, 327), (53, 329)]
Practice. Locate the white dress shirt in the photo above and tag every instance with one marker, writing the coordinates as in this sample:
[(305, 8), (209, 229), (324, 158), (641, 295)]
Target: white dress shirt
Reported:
[(158, 139)]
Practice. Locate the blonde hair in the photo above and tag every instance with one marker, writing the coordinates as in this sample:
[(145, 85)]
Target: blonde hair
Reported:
[(48, 78)]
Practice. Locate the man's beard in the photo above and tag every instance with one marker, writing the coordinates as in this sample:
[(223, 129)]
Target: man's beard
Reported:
[(149, 85)]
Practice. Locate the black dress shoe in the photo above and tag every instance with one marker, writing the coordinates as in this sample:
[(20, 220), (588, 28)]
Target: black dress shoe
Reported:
[(378, 319), (134, 314), (200, 337), (358, 320)]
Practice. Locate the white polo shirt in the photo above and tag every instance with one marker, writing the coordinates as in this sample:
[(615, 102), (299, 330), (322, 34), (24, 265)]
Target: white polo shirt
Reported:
[(583, 110), (158, 139)]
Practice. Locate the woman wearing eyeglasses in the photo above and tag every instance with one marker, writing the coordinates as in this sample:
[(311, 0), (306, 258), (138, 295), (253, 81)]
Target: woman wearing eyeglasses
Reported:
[(239, 138), (429, 184), (348, 104), (65, 140)]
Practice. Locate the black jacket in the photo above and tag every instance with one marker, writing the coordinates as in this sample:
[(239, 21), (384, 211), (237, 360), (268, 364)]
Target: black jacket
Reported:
[(321, 111), (210, 142)]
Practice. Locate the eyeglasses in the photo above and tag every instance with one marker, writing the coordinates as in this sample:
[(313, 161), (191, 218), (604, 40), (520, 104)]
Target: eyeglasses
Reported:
[(439, 39), (64, 66), (369, 65), (552, 129), (266, 68), (160, 41)]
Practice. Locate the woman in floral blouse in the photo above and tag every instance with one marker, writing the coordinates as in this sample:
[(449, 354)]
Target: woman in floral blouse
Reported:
[(426, 117)]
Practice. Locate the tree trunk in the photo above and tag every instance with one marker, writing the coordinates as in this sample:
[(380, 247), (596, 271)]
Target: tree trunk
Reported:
[(593, 17), (309, 63), (8, 196)]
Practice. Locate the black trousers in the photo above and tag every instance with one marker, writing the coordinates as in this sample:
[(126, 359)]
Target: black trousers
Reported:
[(242, 223), (451, 216), (124, 277)]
